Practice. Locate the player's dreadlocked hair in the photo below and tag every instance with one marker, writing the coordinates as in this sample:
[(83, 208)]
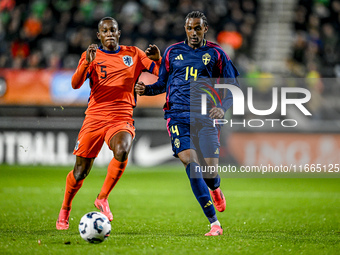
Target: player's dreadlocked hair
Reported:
[(106, 18), (199, 15)]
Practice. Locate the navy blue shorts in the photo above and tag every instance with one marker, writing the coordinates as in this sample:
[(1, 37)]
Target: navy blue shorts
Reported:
[(199, 136)]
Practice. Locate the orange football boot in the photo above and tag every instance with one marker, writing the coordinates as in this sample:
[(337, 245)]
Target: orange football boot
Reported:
[(103, 206), (62, 222), (218, 199), (215, 231)]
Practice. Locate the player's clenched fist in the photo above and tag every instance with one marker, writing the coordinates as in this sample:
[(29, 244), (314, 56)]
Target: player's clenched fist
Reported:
[(153, 52), (140, 88), (216, 113), (91, 52)]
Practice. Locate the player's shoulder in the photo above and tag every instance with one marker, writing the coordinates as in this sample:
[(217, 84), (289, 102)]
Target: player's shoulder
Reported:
[(83, 55), (173, 49), (217, 48), (132, 51), (178, 45), (126, 49), (212, 45)]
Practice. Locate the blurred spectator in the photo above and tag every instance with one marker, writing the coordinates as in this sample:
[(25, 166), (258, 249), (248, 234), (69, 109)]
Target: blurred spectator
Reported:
[(299, 48), (20, 49), (32, 27), (48, 23), (331, 42), (35, 60), (54, 61), (316, 45), (160, 27), (52, 34), (131, 12), (6, 5), (230, 36)]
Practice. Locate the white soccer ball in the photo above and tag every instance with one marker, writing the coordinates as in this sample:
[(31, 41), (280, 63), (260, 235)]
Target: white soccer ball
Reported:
[(94, 227)]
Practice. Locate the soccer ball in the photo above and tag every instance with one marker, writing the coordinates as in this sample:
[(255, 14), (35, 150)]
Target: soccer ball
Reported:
[(94, 227)]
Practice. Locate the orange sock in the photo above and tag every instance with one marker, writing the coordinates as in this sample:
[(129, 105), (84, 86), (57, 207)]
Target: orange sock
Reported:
[(114, 171), (71, 189)]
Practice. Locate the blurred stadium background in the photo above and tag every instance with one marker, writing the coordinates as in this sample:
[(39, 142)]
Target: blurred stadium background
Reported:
[(269, 41)]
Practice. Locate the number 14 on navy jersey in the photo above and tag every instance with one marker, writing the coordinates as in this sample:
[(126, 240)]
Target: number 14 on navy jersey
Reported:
[(181, 65)]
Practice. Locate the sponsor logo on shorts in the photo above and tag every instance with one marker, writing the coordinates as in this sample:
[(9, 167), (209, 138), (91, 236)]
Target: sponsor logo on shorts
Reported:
[(177, 143), (129, 125), (77, 146)]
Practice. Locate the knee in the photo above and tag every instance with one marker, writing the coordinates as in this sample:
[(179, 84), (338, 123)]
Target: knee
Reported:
[(79, 175), (80, 171), (121, 151), (187, 157), (188, 161), (185, 160)]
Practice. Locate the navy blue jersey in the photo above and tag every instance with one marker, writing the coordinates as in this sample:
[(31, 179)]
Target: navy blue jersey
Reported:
[(182, 66)]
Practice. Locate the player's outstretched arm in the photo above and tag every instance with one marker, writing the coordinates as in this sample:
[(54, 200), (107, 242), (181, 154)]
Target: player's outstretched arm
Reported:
[(153, 52), (80, 74), (159, 86), (140, 88)]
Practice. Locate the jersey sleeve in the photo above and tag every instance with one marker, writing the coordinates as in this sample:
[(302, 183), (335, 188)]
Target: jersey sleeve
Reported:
[(148, 64), (82, 72), (159, 86), (228, 75)]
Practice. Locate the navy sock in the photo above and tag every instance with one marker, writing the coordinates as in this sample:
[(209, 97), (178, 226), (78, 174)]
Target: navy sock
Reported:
[(212, 219), (213, 183), (200, 190)]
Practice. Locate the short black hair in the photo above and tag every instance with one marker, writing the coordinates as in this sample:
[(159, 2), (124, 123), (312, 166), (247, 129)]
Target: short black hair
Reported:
[(106, 18), (199, 15)]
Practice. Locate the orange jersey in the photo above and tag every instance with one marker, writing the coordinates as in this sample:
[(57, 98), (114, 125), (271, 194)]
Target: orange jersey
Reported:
[(113, 75)]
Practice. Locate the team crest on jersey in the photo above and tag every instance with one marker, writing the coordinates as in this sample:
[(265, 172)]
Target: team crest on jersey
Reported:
[(128, 60), (206, 58)]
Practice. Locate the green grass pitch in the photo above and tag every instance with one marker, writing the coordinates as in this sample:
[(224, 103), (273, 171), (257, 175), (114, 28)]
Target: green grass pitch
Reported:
[(156, 213)]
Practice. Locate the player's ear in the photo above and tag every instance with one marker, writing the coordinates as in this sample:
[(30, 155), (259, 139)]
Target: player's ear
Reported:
[(98, 35), (205, 29), (119, 32)]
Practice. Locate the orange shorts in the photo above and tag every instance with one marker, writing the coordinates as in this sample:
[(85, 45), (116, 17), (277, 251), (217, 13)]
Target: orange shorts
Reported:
[(94, 132)]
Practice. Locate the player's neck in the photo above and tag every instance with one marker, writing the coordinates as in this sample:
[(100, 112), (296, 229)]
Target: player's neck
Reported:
[(111, 49), (196, 46)]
